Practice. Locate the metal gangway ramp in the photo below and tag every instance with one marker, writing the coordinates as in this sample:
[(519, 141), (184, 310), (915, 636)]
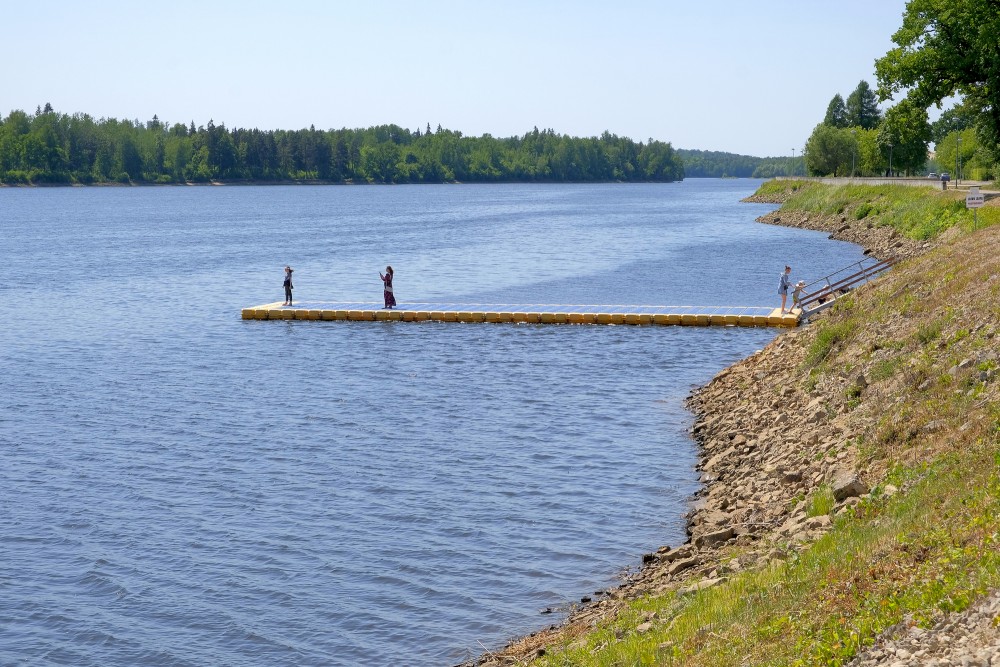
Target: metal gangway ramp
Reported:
[(823, 292)]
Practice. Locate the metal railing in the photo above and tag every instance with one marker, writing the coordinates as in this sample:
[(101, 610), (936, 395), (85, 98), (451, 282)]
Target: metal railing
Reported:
[(839, 282)]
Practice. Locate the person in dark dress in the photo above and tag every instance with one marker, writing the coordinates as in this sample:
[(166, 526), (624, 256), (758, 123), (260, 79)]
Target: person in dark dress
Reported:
[(288, 286), (390, 300)]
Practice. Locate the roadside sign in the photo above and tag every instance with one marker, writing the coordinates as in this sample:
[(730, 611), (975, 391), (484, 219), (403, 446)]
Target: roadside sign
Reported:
[(974, 199)]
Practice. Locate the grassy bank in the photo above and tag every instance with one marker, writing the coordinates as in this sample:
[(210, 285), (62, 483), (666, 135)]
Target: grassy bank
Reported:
[(908, 369), (916, 213)]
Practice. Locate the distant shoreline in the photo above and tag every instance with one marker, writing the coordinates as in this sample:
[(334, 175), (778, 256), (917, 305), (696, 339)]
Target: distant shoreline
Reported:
[(315, 182)]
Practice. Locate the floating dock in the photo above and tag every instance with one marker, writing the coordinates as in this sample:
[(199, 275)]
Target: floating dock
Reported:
[(534, 313)]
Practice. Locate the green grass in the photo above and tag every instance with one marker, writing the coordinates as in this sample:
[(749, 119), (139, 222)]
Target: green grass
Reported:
[(934, 548), (917, 213), (821, 502), (829, 335)]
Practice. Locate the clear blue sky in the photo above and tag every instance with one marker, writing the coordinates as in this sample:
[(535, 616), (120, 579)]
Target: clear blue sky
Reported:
[(730, 75)]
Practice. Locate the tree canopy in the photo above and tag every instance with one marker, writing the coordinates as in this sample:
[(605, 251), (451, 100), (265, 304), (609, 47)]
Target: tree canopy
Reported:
[(719, 164), (855, 139), (862, 108), (50, 147), (947, 48), (836, 112)]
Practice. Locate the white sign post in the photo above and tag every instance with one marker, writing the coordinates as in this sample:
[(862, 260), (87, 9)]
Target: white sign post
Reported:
[(974, 200)]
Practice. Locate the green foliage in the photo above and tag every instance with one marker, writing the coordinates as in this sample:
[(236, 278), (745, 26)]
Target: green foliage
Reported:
[(955, 119), (904, 135), (836, 112), (862, 108), (48, 147), (932, 548), (830, 151), (829, 335), (944, 49), (871, 160), (821, 502), (918, 213), (961, 153), (929, 332), (715, 164)]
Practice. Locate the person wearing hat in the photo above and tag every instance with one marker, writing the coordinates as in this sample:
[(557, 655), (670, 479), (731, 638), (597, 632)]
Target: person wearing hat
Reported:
[(288, 286), (797, 294)]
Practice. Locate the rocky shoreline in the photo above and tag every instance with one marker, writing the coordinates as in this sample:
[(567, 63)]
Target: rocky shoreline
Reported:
[(767, 443)]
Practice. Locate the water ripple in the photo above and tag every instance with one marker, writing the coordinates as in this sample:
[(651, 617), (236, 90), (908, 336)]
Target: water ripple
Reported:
[(192, 490)]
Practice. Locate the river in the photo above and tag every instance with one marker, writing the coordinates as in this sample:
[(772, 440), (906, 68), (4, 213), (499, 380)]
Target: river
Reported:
[(182, 487)]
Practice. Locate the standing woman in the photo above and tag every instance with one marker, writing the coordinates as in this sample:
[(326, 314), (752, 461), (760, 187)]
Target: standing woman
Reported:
[(783, 281), (288, 286), (390, 300)]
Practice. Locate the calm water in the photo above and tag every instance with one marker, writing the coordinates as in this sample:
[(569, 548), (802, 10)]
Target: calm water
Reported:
[(181, 487)]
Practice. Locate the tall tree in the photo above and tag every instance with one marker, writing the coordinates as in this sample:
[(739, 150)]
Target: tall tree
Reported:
[(829, 151), (903, 135), (946, 48), (836, 112), (862, 107)]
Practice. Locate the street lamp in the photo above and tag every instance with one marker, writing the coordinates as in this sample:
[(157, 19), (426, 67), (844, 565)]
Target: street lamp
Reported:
[(890, 159), (792, 170)]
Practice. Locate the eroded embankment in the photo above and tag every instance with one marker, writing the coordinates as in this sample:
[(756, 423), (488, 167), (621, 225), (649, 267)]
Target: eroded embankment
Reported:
[(903, 371)]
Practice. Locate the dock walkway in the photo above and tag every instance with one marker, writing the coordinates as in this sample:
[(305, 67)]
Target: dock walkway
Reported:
[(533, 313)]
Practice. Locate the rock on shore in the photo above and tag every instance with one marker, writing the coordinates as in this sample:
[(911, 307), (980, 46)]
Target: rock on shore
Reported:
[(771, 442)]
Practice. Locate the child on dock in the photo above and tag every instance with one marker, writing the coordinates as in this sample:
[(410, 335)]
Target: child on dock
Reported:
[(797, 294)]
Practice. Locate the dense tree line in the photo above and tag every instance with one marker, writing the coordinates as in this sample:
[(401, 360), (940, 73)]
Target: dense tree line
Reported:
[(717, 164), (50, 147), (856, 139), (945, 49)]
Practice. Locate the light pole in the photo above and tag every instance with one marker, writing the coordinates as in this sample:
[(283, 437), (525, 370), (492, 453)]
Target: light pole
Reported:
[(792, 170), (890, 159)]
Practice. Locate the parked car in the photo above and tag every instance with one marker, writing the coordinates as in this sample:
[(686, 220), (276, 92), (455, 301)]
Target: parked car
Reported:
[(945, 176), (933, 174)]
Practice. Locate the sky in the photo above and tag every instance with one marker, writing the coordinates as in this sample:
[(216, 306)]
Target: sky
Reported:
[(726, 75)]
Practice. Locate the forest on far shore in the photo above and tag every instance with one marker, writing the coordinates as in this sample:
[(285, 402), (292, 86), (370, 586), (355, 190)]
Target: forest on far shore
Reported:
[(48, 147), (717, 164)]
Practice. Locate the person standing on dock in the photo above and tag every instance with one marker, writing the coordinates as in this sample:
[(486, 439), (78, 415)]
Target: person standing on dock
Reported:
[(390, 300), (783, 282), (288, 286), (797, 294)]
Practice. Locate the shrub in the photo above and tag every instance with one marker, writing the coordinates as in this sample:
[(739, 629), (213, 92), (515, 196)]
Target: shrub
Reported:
[(826, 339)]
